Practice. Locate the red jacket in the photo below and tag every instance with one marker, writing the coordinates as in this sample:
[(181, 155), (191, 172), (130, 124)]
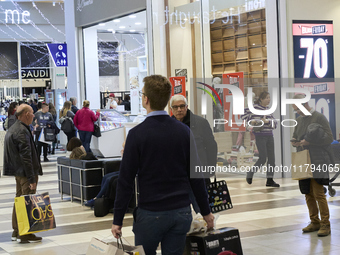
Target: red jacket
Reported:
[(84, 119)]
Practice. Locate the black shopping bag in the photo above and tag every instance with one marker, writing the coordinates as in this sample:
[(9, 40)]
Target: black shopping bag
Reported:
[(219, 197), (96, 131), (50, 134)]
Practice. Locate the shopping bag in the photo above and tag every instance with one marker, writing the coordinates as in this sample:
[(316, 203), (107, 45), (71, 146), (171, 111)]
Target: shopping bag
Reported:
[(301, 165), (42, 137), (50, 134), (219, 197), (112, 248), (34, 213)]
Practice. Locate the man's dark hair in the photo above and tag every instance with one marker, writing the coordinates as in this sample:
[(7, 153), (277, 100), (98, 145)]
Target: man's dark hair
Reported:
[(36, 100), (158, 90), (39, 105), (43, 104), (126, 98)]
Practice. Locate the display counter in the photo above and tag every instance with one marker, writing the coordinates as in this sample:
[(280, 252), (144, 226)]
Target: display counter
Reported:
[(112, 127)]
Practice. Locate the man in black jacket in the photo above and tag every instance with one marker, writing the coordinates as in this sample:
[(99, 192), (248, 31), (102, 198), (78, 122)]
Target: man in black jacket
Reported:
[(314, 133), (21, 160), (204, 138)]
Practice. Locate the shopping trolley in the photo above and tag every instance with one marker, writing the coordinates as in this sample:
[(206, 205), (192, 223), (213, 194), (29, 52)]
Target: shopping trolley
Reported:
[(336, 152)]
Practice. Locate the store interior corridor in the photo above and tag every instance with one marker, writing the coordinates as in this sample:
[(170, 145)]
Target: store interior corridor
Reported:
[(269, 219)]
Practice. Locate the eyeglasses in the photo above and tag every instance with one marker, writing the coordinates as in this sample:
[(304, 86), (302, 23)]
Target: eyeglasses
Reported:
[(175, 107), (141, 93)]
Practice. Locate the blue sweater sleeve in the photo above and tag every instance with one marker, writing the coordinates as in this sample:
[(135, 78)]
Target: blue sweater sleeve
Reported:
[(126, 178)]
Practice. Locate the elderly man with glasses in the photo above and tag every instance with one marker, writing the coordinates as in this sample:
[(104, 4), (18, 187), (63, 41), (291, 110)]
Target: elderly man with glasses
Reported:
[(204, 138)]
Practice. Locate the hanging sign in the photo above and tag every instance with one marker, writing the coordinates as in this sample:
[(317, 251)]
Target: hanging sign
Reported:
[(58, 52)]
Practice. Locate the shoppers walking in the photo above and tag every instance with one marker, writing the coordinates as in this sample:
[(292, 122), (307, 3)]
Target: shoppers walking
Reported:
[(42, 119), (313, 132), (66, 121), (74, 104), (263, 130), (22, 161), (158, 150), (11, 119), (84, 122)]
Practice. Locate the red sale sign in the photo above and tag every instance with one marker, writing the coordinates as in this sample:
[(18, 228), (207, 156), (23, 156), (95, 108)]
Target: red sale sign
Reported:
[(234, 121)]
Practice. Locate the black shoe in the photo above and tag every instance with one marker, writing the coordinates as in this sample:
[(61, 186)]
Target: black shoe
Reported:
[(46, 159), (271, 183), (249, 178), (31, 238), (53, 152)]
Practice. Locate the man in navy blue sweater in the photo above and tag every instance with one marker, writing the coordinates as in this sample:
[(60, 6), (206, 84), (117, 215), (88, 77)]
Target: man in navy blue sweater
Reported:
[(158, 150)]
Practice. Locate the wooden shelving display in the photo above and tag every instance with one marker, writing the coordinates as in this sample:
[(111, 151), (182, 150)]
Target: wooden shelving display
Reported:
[(240, 46)]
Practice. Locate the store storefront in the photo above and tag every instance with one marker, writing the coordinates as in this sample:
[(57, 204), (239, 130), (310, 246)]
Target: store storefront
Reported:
[(27, 69)]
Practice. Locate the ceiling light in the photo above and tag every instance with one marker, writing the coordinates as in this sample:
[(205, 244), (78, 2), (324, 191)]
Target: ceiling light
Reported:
[(121, 27), (132, 16), (132, 30), (53, 3), (111, 30), (185, 19), (101, 24), (116, 20), (231, 9), (138, 23)]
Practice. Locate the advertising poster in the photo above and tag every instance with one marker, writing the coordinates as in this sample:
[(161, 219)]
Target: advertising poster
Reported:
[(234, 121), (314, 64), (178, 86)]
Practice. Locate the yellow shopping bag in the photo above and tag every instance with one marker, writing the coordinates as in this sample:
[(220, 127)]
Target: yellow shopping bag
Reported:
[(34, 213)]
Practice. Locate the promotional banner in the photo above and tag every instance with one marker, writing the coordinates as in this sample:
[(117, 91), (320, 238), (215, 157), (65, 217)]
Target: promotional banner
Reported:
[(234, 121), (58, 52), (178, 85), (314, 64)]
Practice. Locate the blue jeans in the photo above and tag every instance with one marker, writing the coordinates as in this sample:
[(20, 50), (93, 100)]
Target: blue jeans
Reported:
[(85, 138), (104, 190), (166, 227)]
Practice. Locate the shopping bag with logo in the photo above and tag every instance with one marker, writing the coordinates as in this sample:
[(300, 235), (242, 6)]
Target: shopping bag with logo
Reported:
[(42, 137), (301, 165), (50, 134), (113, 248), (34, 213), (219, 197)]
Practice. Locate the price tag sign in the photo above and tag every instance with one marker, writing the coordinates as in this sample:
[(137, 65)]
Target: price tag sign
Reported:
[(314, 64)]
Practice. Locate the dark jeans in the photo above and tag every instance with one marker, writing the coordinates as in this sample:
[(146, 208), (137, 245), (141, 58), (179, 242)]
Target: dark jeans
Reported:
[(166, 227), (70, 135), (85, 138), (265, 146), (104, 190), (40, 144)]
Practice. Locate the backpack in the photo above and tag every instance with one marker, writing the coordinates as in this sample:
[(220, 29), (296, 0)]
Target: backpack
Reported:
[(67, 124)]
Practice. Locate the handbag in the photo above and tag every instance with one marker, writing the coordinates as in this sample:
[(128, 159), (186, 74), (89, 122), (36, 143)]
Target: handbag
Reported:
[(301, 165), (50, 134), (219, 197), (96, 131), (34, 213)]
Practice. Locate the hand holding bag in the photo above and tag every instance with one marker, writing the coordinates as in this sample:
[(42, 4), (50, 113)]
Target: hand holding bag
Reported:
[(219, 197), (113, 248), (301, 165), (50, 134), (34, 213), (96, 131)]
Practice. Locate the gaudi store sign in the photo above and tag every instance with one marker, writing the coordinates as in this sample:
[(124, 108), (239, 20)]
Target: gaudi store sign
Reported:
[(314, 64), (16, 17), (35, 73)]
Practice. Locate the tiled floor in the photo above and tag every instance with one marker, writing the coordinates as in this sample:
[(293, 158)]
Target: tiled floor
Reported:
[(269, 220)]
